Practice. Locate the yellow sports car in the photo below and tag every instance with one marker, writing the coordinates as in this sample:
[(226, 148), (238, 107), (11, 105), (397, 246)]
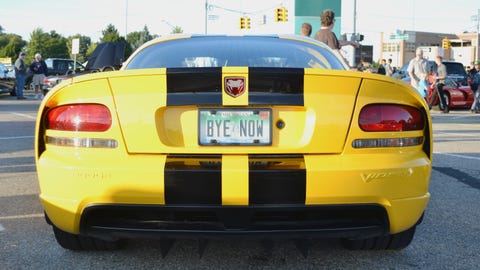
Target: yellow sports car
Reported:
[(218, 136)]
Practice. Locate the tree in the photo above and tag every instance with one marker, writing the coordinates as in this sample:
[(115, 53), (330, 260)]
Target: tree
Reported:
[(11, 45), (110, 34), (176, 30), (47, 44), (138, 38)]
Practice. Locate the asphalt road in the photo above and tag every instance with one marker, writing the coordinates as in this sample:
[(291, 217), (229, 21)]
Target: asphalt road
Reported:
[(448, 238)]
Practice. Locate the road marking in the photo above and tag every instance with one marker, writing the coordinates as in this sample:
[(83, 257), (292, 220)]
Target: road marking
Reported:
[(24, 115), (456, 155), (455, 134), (16, 137), (22, 216)]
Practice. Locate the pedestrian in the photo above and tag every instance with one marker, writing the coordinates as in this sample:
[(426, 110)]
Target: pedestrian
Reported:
[(39, 69), (417, 69), (472, 71), (439, 84), (327, 36), (381, 67), (475, 89), (306, 29), (20, 74), (389, 68)]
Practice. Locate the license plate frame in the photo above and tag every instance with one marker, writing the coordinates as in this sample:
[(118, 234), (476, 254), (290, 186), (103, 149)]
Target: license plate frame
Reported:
[(236, 126)]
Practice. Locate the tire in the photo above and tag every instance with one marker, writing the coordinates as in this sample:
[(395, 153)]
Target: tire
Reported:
[(79, 242), (394, 241)]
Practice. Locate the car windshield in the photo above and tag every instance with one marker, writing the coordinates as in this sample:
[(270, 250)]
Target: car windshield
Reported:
[(219, 51)]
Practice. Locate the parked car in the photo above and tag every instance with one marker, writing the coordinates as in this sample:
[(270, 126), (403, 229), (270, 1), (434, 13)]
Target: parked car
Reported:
[(61, 66), (225, 136), (455, 71), (11, 72), (456, 95), (7, 84)]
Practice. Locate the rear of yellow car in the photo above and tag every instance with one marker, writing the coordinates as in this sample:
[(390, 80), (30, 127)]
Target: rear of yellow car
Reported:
[(234, 151)]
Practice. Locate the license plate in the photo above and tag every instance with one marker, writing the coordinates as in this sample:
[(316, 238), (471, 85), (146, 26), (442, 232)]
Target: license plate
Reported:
[(235, 126)]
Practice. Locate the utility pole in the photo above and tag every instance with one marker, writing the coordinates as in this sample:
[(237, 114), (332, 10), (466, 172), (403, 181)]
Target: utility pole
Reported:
[(206, 17)]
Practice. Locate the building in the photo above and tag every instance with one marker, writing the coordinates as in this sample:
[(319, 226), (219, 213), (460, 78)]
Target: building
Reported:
[(401, 46)]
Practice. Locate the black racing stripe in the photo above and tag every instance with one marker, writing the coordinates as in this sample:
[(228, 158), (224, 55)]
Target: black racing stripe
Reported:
[(196, 184), (276, 86), (194, 86), (277, 186)]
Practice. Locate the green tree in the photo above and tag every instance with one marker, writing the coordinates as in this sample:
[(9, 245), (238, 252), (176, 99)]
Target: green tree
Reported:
[(176, 30), (110, 34), (138, 38), (47, 44), (11, 45)]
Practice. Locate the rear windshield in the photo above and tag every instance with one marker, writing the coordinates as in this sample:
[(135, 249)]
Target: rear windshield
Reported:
[(235, 51)]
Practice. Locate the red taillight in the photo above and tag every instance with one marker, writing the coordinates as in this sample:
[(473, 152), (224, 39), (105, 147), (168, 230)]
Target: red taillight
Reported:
[(390, 117), (79, 117)]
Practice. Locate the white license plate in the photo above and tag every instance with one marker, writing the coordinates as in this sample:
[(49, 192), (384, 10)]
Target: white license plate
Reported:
[(235, 126)]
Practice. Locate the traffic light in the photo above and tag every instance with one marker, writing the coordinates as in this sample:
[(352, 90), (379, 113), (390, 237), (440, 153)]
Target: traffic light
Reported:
[(359, 37), (247, 23), (285, 15), (242, 22), (281, 15), (446, 43)]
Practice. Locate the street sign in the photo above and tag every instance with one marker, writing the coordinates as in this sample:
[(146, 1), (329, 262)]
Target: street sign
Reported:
[(402, 37), (75, 46)]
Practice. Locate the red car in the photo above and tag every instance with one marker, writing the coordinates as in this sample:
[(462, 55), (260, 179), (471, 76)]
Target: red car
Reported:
[(456, 95)]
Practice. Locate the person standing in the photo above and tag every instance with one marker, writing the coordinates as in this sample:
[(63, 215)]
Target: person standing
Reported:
[(389, 68), (306, 29), (417, 69), (20, 74), (39, 69), (439, 84), (475, 89), (476, 68), (381, 67), (327, 36)]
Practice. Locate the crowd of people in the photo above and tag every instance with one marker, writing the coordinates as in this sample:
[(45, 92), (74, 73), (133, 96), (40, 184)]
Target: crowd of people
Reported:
[(417, 68)]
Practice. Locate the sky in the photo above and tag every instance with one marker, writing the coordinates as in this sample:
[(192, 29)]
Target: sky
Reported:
[(90, 17)]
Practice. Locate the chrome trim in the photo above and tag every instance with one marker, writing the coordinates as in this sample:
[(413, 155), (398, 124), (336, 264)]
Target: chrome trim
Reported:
[(387, 142), (82, 142)]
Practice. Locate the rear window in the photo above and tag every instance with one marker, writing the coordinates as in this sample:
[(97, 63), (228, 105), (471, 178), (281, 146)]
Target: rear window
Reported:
[(234, 51)]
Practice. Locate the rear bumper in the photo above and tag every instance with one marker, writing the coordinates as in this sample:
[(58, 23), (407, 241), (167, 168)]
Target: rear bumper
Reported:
[(112, 222), (313, 196)]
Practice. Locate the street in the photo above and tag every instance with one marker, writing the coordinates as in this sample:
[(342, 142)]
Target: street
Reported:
[(448, 238)]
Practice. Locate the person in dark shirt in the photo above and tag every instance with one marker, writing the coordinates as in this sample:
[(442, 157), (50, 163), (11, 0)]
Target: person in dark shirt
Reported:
[(20, 74), (39, 69)]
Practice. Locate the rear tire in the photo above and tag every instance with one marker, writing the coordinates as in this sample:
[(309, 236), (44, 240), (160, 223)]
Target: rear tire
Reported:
[(394, 241), (79, 242)]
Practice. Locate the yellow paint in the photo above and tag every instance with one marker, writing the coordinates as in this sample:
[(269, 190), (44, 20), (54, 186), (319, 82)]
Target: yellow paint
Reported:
[(235, 180)]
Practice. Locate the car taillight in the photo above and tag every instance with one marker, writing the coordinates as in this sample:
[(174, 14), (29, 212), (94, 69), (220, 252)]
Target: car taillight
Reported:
[(390, 117), (79, 117)]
